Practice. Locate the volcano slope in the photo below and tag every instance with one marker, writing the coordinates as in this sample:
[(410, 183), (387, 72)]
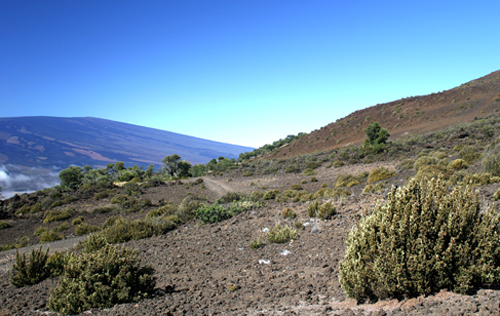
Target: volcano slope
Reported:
[(210, 269)]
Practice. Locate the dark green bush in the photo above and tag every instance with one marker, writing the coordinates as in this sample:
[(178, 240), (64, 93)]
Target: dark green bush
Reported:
[(56, 204), (420, 240), (269, 195), (470, 154), (53, 216), (281, 234), (380, 173), (292, 169), (102, 279), (296, 187), (213, 213), (327, 210), (77, 221), (36, 208), (232, 197), (32, 272), (288, 213), (25, 209), (118, 229), (4, 224), (83, 229), (100, 195), (492, 164), (313, 209), (49, 235), (103, 209), (308, 172)]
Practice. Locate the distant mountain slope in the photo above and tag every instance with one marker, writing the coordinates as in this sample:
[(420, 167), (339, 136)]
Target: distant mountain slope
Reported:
[(59, 142), (408, 116)]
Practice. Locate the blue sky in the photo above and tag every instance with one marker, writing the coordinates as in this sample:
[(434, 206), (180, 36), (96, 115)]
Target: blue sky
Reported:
[(240, 72)]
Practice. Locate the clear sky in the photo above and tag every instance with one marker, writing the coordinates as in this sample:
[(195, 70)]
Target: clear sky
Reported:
[(245, 72)]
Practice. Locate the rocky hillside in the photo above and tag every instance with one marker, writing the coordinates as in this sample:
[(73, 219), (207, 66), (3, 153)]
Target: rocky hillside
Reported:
[(413, 115)]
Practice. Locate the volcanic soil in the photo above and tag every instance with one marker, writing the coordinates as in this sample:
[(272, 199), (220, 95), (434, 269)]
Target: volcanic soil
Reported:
[(211, 270)]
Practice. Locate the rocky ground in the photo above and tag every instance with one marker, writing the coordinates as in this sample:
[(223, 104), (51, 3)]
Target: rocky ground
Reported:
[(211, 270)]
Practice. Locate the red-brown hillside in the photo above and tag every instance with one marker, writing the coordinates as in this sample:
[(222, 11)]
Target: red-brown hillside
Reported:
[(413, 115)]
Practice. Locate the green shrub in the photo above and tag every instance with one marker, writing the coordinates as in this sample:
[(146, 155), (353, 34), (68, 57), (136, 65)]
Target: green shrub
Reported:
[(4, 224), (198, 181), (324, 185), (56, 204), (296, 187), (338, 163), (420, 240), (40, 230), (281, 234), (492, 164), (496, 196), (77, 221), (470, 154), (298, 224), (32, 272), (69, 199), (313, 179), (458, 164), (123, 230), (308, 172), (269, 195), (56, 263), (343, 180), (102, 279), (407, 164), (100, 195), (84, 228), (425, 161), (47, 202), (48, 236), (331, 193), (257, 243), (292, 169), (313, 209), (303, 181), (213, 213), (36, 208), (54, 216), (313, 165), (374, 188), (61, 228), (477, 179), (432, 171), (103, 209), (119, 199), (327, 210), (185, 210), (231, 197), (380, 173), (25, 209), (288, 213), (353, 183)]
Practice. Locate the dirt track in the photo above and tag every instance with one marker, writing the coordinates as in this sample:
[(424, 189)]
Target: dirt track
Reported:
[(211, 270)]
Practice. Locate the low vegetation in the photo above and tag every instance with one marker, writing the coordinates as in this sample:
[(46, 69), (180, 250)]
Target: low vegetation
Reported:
[(101, 279)]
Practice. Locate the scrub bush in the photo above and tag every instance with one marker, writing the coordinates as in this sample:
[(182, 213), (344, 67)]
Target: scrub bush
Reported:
[(420, 240), (101, 279), (379, 174), (32, 272), (280, 234)]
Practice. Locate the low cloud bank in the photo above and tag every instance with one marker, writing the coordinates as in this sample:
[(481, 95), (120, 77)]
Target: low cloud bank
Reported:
[(15, 179)]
